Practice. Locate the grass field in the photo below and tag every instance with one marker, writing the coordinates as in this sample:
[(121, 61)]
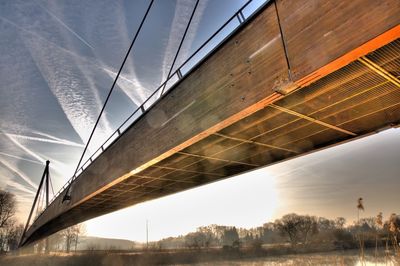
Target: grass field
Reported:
[(199, 258)]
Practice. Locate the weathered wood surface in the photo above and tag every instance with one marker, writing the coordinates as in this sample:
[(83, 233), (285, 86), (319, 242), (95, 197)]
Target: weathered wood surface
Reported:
[(317, 32)]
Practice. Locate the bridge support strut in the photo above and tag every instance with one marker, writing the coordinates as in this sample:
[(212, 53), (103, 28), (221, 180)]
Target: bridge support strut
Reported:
[(45, 179)]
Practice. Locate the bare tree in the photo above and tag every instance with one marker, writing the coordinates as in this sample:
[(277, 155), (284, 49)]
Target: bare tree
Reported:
[(297, 227), (71, 236), (14, 235), (56, 241), (8, 228), (230, 237), (194, 240), (208, 235), (7, 207), (340, 222), (80, 231)]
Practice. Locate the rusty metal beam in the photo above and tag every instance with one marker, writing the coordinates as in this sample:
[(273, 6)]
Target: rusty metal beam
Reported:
[(162, 179), (214, 158), (328, 106), (254, 142), (379, 70), (283, 109), (187, 171)]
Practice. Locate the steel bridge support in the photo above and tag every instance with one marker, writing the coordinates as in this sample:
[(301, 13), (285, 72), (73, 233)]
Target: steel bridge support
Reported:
[(45, 179)]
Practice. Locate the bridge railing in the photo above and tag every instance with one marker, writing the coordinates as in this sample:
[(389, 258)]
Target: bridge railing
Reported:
[(189, 65)]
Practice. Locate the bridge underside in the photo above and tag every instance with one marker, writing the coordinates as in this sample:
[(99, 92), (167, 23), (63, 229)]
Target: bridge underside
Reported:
[(352, 101), (307, 113)]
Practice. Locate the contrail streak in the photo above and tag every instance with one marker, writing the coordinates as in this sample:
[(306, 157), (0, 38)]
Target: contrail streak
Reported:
[(51, 136), (20, 158), (67, 86), (97, 98), (8, 182), (96, 94), (194, 28), (140, 96), (81, 57), (99, 64), (59, 141), (58, 47), (126, 89), (66, 26), (31, 153), (56, 164), (20, 174), (120, 76), (141, 92), (20, 187), (181, 16)]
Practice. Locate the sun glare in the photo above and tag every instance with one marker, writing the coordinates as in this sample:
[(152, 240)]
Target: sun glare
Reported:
[(246, 200)]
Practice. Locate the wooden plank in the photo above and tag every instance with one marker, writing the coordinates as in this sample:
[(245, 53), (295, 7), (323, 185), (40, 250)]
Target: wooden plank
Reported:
[(323, 36)]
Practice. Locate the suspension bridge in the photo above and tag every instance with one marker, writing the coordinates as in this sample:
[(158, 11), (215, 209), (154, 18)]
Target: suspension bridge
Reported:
[(292, 78)]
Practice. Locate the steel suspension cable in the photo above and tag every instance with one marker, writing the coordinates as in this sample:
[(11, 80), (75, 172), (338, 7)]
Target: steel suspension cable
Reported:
[(180, 44), (114, 83), (51, 183), (39, 205)]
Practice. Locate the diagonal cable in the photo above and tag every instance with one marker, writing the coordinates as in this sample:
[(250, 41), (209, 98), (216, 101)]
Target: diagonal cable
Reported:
[(112, 88), (180, 45), (51, 183), (113, 85)]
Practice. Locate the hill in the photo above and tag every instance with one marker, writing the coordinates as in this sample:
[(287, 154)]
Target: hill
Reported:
[(99, 243)]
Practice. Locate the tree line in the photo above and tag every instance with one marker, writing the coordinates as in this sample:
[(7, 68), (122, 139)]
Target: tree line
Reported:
[(294, 230)]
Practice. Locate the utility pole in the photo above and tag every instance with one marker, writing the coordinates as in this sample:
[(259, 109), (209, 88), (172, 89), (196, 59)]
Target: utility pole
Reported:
[(147, 234), (47, 245)]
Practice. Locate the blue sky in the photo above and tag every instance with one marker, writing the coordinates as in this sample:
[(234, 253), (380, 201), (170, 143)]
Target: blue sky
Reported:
[(58, 60)]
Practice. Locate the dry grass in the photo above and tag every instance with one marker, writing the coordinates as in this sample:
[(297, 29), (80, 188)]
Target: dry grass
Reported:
[(210, 257)]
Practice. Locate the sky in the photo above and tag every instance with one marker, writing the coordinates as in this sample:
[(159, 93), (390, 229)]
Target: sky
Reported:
[(58, 60)]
